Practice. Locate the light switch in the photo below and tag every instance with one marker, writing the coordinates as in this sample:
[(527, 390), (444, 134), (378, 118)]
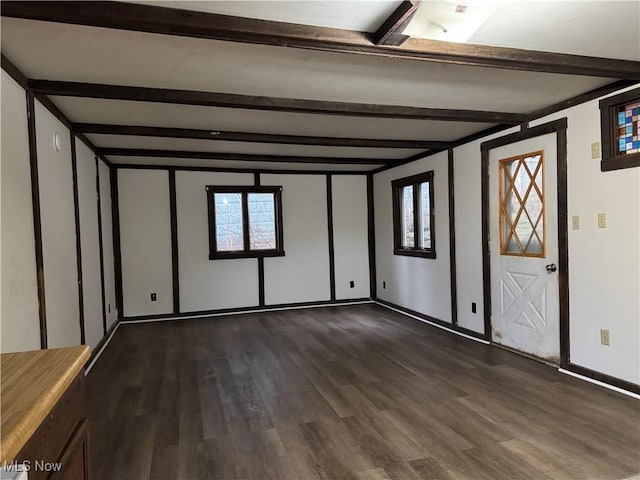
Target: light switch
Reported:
[(575, 222), (602, 220), (595, 150)]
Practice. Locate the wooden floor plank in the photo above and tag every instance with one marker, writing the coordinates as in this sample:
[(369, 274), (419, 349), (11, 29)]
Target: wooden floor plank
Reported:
[(350, 392)]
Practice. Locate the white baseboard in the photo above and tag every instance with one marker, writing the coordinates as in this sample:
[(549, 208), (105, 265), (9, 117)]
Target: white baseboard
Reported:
[(244, 312), (102, 349), (598, 382), (442, 327)]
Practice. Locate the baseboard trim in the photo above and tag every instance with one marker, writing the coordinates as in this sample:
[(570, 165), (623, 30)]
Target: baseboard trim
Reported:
[(434, 322), (243, 311), (102, 345), (597, 378)]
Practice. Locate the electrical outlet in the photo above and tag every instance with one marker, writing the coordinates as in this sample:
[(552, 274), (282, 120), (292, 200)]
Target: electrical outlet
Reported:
[(605, 338), (473, 307), (595, 150), (352, 284), (154, 297), (575, 222), (602, 220), (384, 284)]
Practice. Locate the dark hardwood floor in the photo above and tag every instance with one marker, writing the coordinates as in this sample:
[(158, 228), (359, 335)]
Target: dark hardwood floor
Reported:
[(351, 392)]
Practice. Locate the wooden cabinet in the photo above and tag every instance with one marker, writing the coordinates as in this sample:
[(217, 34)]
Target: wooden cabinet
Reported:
[(57, 450), (75, 458), (47, 424)]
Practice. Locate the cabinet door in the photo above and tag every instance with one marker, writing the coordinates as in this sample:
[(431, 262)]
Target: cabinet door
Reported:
[(75, 458)]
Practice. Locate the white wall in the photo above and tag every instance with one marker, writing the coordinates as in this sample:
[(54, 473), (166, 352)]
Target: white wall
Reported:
[(58, 231), (420, 284), (468, 214), (107, 244), (20, 327), (350, 235), (604, 264), (145, 238), (209, 284), (89, 240), (302, 275)]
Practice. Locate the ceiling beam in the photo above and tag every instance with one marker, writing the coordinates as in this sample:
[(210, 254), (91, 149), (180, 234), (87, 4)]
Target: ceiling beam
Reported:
[(390, 32), (220, 135), (242, 157), (228, 100), (169, 21)]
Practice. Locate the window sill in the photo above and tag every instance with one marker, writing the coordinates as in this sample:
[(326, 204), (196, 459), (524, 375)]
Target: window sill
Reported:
[(415, 253), (255, 254), (620, 162)]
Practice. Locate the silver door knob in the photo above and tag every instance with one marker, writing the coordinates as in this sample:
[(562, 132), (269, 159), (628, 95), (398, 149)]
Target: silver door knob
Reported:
[(551, 268)]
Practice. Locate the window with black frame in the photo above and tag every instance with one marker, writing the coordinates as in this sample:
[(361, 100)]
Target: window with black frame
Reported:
[(413, 216), (244, 221)]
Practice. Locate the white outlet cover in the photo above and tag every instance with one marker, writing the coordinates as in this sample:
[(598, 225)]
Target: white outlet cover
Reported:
[(575, 222)]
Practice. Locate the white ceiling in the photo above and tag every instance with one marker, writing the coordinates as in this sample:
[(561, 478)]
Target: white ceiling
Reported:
[(360, 15), (100, 55), (563, 26), (609, 29), (55, 51), (245, 165), (155, 143), (119, 112), (593, 28)]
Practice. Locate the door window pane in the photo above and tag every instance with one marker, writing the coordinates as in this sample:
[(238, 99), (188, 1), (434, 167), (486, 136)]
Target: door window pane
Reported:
[(262, 221), (228, 218), (406, 220), (522, 205)]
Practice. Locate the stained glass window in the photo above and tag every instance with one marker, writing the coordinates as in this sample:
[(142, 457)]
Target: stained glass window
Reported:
[(620, 130), (628, 129)]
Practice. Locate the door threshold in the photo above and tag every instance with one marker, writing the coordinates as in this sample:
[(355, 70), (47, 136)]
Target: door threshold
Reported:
[(527, 355)]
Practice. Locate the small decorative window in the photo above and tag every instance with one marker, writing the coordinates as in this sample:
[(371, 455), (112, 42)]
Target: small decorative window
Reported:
[(522, 222), (620, 130), (413, 216), (244, 221)]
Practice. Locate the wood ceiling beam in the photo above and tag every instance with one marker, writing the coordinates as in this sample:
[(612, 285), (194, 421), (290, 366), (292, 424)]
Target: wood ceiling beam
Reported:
[(242, 157), (227, 100), (169, 21), (221, 135), (390, 32)]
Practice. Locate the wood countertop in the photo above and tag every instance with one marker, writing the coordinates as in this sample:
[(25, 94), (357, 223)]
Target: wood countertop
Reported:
[(31, 385)]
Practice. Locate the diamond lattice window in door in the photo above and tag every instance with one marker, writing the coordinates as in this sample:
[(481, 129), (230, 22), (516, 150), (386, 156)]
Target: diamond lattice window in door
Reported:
[(522, 222)]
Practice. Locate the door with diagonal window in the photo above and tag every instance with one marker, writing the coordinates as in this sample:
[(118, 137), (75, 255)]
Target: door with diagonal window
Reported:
[(524, 247)]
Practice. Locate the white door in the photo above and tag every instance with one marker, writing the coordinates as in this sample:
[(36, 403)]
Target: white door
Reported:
[(523, 245)]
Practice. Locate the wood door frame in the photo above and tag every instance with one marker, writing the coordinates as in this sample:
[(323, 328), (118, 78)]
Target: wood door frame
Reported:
[(559, 127)]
